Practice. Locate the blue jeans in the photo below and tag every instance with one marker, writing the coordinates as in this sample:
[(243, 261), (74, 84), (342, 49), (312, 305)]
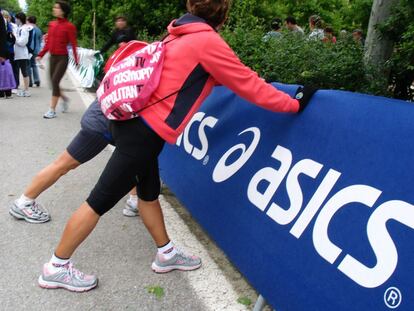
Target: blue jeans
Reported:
[(34, 71)]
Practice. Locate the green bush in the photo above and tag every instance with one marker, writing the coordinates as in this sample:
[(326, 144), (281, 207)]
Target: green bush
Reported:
[(294, 59)]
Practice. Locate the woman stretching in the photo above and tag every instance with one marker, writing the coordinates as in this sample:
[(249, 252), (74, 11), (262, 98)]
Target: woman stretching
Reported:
[(208, 61), (61, 32)]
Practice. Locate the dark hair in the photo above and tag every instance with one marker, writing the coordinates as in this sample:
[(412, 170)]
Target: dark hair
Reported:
[(276, 24), (215, 12), (358, 31), (22, 17), (316, 20), (32, 19), (329, 30), (291, 20), (65, 7), (122, 17)]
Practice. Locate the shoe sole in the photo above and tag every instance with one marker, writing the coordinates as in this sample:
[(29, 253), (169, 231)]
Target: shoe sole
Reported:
[(44, 117), (55, 285), (22, 217), (158, 269)]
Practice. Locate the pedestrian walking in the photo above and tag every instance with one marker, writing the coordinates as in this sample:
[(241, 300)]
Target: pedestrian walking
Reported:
[(122, 34), (60, 33)]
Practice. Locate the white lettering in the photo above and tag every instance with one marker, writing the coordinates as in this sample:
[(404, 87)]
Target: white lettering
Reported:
[(382, 245), (353, 194), (281, 216), (273, 177)]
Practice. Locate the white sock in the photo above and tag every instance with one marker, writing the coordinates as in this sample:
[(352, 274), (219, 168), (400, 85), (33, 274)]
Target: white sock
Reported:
[(23, 200), (56, 261), (168, 251)]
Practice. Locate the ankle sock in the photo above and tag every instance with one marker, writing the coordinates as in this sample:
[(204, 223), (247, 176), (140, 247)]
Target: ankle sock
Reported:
[(23, 200), (168, 251), (57, 262)]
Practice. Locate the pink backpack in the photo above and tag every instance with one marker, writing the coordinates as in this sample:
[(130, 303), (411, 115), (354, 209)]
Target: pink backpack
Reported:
[(134, 74)]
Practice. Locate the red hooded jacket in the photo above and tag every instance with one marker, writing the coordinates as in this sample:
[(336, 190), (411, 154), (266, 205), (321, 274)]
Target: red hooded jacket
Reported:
[(200, 58)]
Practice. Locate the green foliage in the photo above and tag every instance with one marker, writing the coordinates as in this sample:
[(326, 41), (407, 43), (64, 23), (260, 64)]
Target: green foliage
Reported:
[(12, 6), (145, 16), (290, 59), (244, 301), (294, 59), (400, 28), (157, 291)]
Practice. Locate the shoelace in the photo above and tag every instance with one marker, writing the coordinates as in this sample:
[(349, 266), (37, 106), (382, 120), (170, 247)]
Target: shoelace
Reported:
[(36, 209), (186, 258), (71, 271)]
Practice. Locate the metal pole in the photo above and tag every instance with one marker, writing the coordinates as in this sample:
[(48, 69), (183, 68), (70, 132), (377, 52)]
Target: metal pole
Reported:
[(94, 23), (260, 304), (94, 30)]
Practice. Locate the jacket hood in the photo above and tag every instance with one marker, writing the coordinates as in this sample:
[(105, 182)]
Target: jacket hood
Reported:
[(187, 24)]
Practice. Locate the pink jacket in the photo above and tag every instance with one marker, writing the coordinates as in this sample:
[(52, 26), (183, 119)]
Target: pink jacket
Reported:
[(200, 59)]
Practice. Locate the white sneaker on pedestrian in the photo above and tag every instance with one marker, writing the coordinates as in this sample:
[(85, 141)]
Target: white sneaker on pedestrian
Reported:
[(50, 114), (31, 212), (14, 91), (130, 209), (23, 93), (65, 105)]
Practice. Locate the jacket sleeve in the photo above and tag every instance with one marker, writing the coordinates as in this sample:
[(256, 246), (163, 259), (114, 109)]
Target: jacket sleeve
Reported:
[(46, 47), (109, 43), (225, 67), (73, 42)]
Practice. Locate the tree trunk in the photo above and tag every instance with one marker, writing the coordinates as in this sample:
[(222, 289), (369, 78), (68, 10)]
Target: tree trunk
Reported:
[(378, 48)]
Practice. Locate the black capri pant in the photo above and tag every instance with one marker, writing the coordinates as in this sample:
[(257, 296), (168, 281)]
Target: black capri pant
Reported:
[(58, 66), (133, 163)]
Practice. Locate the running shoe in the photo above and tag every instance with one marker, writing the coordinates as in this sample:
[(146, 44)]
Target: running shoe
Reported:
[(31, 212), (66, 277), (23, 93), (50, 114), (179, 261), (65, 105), (130, 209)]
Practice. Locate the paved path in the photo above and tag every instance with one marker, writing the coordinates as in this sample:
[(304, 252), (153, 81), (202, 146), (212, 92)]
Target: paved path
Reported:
[(119, 251)]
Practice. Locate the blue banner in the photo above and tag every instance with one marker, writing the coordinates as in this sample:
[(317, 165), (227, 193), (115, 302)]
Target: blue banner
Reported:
[(315, 209)]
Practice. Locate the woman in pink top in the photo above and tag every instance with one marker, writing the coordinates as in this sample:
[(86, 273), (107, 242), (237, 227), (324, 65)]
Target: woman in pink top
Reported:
[(208, 61)]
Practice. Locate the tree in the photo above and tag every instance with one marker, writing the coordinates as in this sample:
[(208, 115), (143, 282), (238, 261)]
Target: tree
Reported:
[(10, 5), (379, 46)]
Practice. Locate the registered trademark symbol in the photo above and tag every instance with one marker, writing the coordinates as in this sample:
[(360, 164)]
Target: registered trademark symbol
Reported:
[(392, 297), (206, 159)]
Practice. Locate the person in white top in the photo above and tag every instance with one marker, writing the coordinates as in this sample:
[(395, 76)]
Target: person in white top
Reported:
[(316, 28), (21, 52), (292, 25)]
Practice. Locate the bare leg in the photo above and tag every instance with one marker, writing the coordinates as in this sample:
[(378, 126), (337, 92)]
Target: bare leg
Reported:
[(50, 174), (153, 219), (26, 82), (77, 229), (54, 102), (133, 191)]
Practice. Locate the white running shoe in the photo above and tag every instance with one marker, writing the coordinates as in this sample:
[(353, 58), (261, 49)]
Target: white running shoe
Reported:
[(130, 209), (31, 212), (66, 277), (65, 105), (50, 114), (23, 93)]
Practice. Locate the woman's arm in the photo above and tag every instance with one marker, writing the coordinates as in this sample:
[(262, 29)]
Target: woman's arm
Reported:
[(221, 62)]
